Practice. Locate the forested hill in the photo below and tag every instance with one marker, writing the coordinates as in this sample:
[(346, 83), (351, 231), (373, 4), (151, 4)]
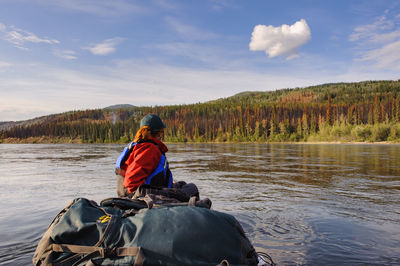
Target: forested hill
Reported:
[(340, 93), (363, 111)]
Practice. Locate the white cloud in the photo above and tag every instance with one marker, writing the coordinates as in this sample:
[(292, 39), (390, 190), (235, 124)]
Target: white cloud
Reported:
[(189, 32), (4, 64), (103, 8), (66, 54), (283, 40), (375, 32), (166, 4), (218, 5), (106, 47), (212, 56), (26, 110), (379, 42), (387, 56), (19, 37)]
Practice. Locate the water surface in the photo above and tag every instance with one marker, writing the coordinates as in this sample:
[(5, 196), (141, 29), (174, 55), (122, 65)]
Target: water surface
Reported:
[(302, 204)]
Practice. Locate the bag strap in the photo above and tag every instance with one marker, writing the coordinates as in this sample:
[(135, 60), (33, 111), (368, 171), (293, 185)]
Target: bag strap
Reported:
[(192, 201), (149, 201), (127, 152), (93, 252), (77, 247)]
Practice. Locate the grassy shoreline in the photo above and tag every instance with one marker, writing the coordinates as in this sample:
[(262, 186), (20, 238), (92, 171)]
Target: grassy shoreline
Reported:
[(48, 140)]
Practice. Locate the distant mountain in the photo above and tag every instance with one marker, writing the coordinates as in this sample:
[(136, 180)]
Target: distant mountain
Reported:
[(5, 125), (38, 120), (119, 106)]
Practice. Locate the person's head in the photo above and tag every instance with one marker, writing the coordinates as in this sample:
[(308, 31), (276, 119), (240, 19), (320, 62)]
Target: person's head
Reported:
[(151, 125)]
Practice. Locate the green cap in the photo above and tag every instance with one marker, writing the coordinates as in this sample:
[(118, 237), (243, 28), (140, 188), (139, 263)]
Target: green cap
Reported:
[(153, 121)]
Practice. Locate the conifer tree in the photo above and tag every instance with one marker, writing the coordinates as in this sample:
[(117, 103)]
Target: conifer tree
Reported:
[(377, 110)]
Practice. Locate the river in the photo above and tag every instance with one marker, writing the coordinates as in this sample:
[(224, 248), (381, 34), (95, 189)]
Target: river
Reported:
[(314, 204)]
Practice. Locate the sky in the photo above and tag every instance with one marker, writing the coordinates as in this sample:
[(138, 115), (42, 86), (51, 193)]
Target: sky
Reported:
[(65, 55)]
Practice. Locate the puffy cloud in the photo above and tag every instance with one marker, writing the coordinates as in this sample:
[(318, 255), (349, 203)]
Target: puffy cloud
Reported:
[(19, 37), (106, 47), (283, 40)]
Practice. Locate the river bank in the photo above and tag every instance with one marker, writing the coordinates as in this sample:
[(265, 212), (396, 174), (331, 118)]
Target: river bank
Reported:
[(48, 140), (40, 140)]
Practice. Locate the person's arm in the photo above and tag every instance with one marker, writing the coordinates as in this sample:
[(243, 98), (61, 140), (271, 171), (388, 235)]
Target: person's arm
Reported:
[(146, 158)]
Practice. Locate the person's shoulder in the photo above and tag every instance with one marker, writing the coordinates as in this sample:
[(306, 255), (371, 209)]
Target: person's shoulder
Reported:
[(146, 146)]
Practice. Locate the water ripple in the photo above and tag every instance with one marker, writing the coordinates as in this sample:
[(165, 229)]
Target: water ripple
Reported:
[(302, 204)]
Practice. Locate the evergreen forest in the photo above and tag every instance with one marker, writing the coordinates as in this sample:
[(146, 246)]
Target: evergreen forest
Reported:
[(366, 111)]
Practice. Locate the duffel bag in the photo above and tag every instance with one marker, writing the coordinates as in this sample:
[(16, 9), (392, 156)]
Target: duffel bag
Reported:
[(127, 232)]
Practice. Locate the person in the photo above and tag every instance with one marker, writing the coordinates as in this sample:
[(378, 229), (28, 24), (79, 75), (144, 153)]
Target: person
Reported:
[(143, 161)]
